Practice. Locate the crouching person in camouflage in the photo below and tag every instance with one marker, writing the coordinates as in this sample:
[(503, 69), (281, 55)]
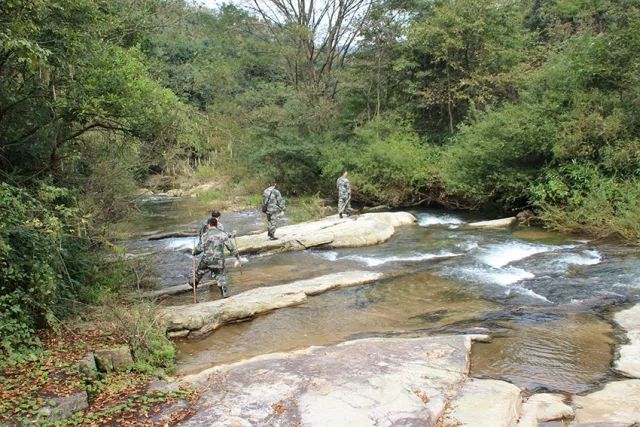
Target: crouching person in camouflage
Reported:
[(212, 244)]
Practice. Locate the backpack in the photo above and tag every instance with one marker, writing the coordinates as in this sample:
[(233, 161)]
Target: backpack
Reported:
[(265, 204)]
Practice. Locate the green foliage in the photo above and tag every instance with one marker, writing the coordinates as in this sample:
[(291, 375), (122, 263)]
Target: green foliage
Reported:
[(385, 159), (496, 158), (293, 164), (306, 208), (143, 329), (579, 199), (48, 270)]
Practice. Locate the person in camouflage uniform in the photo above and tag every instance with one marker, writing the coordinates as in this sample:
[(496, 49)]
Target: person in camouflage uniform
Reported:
[(272, 205), (344, 194), (205, 225), (212, 261)]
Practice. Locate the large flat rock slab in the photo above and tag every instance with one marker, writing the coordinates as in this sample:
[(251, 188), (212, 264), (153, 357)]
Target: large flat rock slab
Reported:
[(485, 403), (629, 361), (544, 407), (331, 232), (199, 319), (494, 223), (368, 382), (617, 404)]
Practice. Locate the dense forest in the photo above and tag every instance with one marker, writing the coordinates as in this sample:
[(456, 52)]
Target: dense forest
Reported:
[(465, 104)]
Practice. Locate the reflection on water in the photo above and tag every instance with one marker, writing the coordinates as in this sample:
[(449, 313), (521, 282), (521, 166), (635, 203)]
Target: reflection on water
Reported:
[(543, 293), (571, 353), (401, 304)]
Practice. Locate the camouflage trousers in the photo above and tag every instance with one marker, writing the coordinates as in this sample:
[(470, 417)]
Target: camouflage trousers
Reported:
[(218, 274), (344, 205), (272, 224)]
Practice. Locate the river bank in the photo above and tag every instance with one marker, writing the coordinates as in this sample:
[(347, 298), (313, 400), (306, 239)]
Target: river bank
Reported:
[(546, 299), (422, 381)]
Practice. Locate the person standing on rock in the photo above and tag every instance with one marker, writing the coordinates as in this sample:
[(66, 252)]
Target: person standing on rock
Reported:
[(344, 194), (212, 245), (272, 206)]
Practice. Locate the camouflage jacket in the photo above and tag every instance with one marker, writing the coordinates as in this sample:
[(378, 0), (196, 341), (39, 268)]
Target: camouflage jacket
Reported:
[(205, 227), (344, 188), (274, 201), (212, 244)]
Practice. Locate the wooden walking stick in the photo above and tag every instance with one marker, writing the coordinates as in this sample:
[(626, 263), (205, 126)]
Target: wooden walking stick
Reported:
[(193, 269), (193, 273)]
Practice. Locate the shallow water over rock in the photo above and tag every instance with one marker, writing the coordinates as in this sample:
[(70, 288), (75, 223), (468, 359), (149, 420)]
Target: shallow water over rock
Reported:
[(547, 297)]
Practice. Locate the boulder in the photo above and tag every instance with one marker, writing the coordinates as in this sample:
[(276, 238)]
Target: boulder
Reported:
[(331, 232), (368, 382), (525, 217), (495, 223), (485, 403), (203, 318), (629, 361), (618, 403), (113, 359), (544, 407), (61, 408), (87, 365)]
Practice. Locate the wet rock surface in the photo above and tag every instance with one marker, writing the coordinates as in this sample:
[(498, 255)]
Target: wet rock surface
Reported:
[(629, 361), (377, 381), (203, 318)]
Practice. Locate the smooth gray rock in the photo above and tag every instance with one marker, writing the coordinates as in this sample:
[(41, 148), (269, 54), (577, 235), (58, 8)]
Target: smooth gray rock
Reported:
[(495, 223), (544, 407), (485, 403), (113, 359), (618, 403), (331, 232), (368, 382), (629, 361), (63, 407), (205, 317), (88, 366)]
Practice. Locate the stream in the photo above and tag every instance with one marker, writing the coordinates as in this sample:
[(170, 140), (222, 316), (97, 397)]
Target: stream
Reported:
[(546, 298)]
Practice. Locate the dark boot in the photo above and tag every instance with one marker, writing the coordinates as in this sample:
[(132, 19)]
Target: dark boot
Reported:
[(340, 215), (224, 291)]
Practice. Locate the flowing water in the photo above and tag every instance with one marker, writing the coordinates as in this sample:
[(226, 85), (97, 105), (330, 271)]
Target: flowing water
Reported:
[(545, 297)]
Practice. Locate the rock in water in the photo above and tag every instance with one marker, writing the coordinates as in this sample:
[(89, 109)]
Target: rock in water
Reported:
[(205, 317), (629, 361), (368, 382), (495, 223), (331, 232)]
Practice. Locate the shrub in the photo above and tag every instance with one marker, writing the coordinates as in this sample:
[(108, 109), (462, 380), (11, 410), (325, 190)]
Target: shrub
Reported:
[(578, 198), (498, 157), (385, 159), (49, 266), (142, 328)]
